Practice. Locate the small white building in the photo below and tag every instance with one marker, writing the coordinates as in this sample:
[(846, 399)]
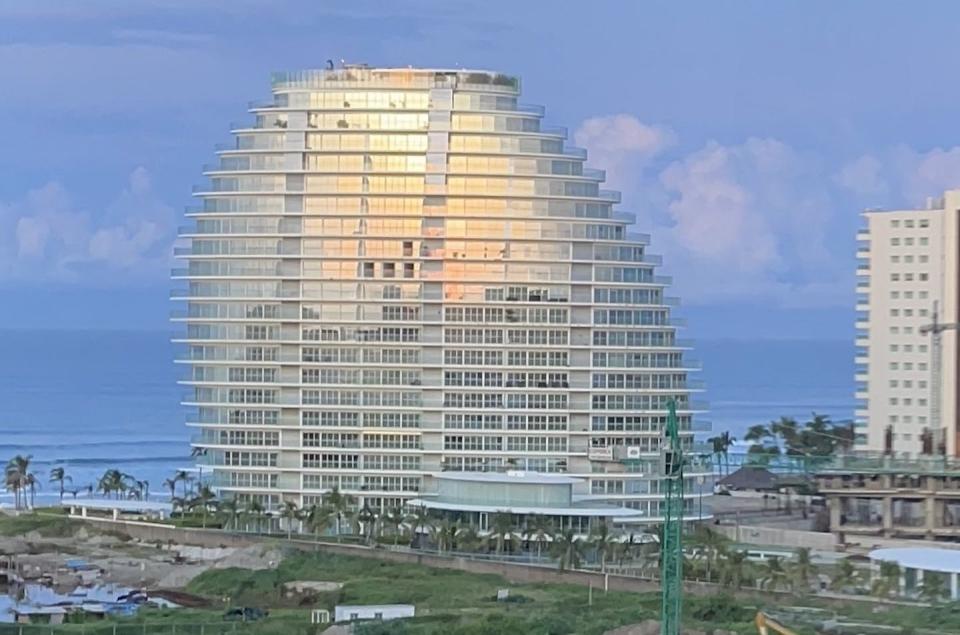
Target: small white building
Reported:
[(351, 613), (917, 562)]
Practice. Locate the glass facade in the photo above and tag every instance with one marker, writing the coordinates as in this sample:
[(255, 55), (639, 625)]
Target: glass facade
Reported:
[(396, 272)]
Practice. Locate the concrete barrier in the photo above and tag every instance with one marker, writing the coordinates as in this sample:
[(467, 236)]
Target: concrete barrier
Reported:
[(777, 537)]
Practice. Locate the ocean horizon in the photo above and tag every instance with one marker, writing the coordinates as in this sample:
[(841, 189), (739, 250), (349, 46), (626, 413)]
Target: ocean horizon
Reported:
[(89, 400)]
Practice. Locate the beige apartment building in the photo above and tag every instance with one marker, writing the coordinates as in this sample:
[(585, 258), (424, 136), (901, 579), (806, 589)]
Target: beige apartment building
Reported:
[(907, 281)]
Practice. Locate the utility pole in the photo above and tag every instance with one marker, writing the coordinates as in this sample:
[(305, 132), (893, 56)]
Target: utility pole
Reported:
[(671, 549), (936, 329)]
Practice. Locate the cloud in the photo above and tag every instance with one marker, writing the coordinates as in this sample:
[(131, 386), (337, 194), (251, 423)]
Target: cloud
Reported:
[(622, 144), (744, 220), (901, 176), (45, 236)]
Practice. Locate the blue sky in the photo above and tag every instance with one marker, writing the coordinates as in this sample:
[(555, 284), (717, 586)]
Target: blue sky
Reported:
[(746, 135)]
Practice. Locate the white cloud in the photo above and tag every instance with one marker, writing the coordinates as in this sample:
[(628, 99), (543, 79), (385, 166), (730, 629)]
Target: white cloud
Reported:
[(622, 144), (748, 220), (901, 176), (48, 237)]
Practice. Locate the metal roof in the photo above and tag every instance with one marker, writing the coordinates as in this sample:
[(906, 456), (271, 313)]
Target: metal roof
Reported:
[(925, 558)]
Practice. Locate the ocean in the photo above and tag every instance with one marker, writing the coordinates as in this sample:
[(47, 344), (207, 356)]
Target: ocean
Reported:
[(94, 400)]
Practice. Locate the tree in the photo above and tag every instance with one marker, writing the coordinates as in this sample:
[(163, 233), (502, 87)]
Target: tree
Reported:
[(290, 513), (32, 483), (802, 570), (445, 534), (230, 511), (204, 499), (762, 439), (735, 569), (502, 530), (603, 543), (567, 548), (394, 518), (774, 575), (934, 587), (887, 582), (59, 476), (318, 519), (182, 476), (539, 529), (112, 481), (367, 519), (845, 575), (339, 503), (16, 476), (171, 484), (709, 547), (726, 442), (256, 510), (420, 521)]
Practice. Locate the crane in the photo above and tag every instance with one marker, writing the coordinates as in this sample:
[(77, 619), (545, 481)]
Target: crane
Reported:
[(936, 329), (671, 546), (766, 624)]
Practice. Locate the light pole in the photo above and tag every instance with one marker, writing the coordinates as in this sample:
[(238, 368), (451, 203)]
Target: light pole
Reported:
[(700, 481)]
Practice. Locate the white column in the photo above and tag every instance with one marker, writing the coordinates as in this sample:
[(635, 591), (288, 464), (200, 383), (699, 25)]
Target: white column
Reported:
[(953, 587)]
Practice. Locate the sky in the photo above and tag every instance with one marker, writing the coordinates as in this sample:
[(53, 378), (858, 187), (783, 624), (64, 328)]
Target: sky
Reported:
[(747, 136)]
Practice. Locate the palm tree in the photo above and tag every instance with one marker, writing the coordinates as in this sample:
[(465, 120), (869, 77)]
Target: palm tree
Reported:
[(367, 518), (774, 575), (112, 481), (603, 543), (33, 483), (16, 475), (710, 546), (184, 477), (502, 530), (567, 548), (339, 503), (934, 587), (290, 513), (420, 522), (735, 569), (445, 534), (845, 575), (59, 476), (255, 509), (231, 510), (539, 529), (802, 569), (394, 518), (726, 442), (317, 519), (171, 484), (204, 499), (887, 583)]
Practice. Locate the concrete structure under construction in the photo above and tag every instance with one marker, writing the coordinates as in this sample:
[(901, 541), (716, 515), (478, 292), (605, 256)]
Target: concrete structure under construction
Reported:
[(893, 498)]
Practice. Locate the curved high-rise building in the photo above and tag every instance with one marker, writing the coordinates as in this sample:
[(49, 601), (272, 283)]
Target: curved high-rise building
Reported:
[(400, 272)]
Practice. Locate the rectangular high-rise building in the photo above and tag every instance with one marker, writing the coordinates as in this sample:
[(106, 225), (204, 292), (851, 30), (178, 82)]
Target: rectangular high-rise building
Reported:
[(907, 369), (399, 274)]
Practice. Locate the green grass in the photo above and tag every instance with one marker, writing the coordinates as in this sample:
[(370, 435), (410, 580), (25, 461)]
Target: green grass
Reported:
[(49, 522), (447, 601)]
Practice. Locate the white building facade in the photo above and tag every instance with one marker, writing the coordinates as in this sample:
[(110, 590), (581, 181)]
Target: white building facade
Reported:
[(907, 271), (395, 272)]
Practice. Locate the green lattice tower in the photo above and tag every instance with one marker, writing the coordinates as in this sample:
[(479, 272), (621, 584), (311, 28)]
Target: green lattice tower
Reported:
[(671, 547)]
